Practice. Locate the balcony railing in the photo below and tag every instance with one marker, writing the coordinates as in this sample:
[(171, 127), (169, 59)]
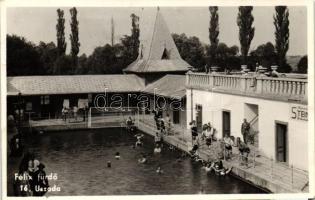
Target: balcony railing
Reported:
[(289, 89)]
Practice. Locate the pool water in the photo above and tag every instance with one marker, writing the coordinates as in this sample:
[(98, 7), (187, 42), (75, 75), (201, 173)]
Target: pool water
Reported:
[(79, 158)]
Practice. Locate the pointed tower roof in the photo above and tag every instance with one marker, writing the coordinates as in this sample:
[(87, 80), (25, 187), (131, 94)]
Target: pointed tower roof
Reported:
[(157, 50)]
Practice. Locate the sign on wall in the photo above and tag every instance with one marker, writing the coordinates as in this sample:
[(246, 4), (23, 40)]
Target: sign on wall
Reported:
[(299, 112)]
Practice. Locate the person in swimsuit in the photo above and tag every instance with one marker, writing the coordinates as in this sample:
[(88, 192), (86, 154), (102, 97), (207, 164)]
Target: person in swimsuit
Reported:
[(117, 155), (139, 139)]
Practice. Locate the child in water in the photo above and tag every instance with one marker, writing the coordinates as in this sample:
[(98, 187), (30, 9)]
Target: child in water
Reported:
[(219, 169), (143, 159), (157, 148), (139, 139), (117, 155), (109, 164), (159, 170)]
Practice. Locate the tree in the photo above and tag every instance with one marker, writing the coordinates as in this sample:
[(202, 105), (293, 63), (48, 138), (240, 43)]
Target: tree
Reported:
[(281, 22), (22, 57), (74, 36), (60, 27), (302, 65), (82, 65), (135, 32), (191, 50), (213, 34), (130, 43), (264, 55), (127, 51), (227, 57), (105, 60), (245, 21), (63, 65), (48, 55)]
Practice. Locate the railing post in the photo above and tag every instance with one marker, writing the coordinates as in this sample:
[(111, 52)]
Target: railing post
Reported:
[(243, 84), (259, 85)]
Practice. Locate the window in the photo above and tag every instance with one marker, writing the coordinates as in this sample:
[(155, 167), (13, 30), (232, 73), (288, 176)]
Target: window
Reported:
[(165, 55), (90, 98), (28, 106), (141, 52), (44, 100)]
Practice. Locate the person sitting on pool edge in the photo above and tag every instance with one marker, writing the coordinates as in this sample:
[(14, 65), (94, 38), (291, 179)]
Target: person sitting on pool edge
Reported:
[(193, 129), (129, 124), (228, 142), (195, 143), (158, 138)]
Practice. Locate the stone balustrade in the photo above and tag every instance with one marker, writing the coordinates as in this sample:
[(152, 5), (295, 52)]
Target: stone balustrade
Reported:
[(288, 89)]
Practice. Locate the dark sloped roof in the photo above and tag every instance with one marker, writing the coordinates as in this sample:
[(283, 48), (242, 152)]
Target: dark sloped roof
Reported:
[(168, 86), (75, 84)]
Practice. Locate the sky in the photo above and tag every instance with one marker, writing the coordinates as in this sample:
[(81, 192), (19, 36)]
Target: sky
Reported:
[(39, 24)]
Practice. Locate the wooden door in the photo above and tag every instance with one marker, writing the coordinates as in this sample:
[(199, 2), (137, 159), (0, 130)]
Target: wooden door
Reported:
[(226, 123), (281, 142)]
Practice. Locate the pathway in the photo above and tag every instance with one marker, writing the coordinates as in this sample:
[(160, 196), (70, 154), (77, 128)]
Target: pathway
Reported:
[(277, 177)]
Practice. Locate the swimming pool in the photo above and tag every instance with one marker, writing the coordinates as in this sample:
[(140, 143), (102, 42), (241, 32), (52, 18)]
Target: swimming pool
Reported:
[(79, 158)]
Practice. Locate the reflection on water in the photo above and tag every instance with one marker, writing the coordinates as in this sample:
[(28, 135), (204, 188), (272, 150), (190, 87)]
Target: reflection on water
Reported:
[(80, 160)]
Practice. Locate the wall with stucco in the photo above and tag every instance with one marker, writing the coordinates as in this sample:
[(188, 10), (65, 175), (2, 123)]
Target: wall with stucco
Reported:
[(269, 112)]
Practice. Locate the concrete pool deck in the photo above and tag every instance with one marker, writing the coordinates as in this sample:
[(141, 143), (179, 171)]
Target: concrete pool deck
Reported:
[(261, 171)]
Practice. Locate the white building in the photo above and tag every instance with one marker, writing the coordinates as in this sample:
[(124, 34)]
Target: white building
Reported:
[(275, 107)]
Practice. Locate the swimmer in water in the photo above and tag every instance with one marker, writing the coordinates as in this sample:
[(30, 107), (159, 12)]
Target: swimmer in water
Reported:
[(143, 159), (159, 170), (157, 149), (209, 166), (139, 139), (202, 190), (117, 155)]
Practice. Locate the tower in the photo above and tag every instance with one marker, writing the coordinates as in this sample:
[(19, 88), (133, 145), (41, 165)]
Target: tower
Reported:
[(158, 54)]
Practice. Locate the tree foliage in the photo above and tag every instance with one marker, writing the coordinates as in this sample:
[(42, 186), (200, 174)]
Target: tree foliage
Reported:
[(74, 36), (245, 21), (49, 53), (63, 65), (135, 33), (213, 34), (60, 27), (302, 65), (227, 57), (191, 50), (105, 60), (264, 55), (281, 22), (22, 57)]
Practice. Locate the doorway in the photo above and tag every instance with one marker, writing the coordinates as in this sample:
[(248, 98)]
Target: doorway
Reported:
[(226, 123), (199, 118), (281, 142), (176, 117)]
